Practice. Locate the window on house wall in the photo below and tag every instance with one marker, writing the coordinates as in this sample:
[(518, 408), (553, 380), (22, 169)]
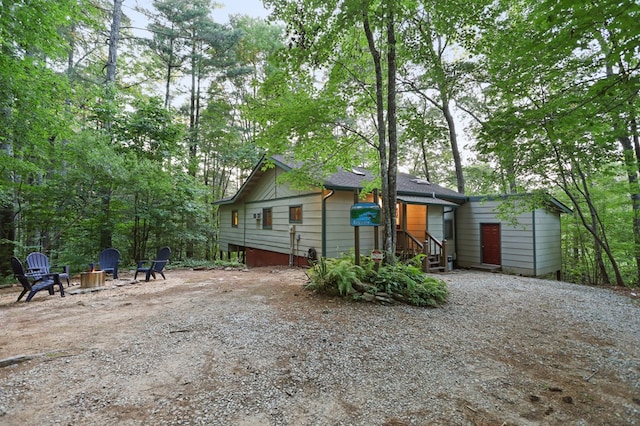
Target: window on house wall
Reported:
[(448, 229), (234, 218), (295, 214), (267, 219)]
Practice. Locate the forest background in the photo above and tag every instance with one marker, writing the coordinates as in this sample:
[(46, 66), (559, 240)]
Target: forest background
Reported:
[(113, 136)]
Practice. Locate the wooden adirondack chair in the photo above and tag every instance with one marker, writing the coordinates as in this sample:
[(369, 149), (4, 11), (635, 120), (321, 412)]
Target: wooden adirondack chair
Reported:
[(150, 267), (45, 282), (38, 265), (109, 260)]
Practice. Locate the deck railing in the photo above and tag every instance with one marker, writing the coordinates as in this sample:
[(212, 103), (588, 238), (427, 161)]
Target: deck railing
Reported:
[(435, 253), (407, 245)]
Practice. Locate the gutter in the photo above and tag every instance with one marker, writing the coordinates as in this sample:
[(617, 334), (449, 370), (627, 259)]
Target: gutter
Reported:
[(324, 222)]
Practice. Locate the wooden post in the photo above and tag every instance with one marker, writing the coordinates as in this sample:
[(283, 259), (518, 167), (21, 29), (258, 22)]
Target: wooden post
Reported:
[(425, 259), (356, 231), (376, 238), (376, 230), (444, 261)]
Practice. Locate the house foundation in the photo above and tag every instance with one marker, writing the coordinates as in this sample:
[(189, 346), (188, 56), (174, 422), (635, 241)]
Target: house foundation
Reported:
[(258, 257)]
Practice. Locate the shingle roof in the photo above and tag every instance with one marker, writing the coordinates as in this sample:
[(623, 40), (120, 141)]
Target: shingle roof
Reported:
[(406, 184), (356, 178)]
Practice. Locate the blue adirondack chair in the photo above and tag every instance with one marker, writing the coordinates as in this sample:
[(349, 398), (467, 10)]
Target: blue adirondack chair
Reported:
[(45, 282), (109, 260), (150, 267), (38, 265)]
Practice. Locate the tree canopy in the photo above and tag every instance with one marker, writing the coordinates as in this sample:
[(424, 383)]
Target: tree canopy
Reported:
[(109, 137)]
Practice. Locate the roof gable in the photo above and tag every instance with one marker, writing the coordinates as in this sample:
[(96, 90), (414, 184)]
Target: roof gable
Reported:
[(345, 180)]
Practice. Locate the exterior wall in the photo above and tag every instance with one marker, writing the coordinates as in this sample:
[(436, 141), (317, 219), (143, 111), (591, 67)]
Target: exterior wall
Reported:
[(421, 218), (267, 193), (531, 246), (450, 215), (436, 227), (340, 234), (547, 242), (435, 221), (416, 220), (274, 246), (229, 234)]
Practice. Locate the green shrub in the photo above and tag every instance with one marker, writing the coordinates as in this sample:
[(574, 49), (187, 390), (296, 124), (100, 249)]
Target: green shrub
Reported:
[(334, 276), (402, 282), (408, 281)]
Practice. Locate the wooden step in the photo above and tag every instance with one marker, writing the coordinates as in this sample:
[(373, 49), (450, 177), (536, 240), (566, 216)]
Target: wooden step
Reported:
[(485, 267)]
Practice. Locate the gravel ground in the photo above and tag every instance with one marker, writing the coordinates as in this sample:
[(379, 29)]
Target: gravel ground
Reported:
[(255, 348)]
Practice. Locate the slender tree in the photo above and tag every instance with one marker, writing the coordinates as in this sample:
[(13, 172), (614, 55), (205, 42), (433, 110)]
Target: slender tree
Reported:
[(564, 86), (31, 104), (331, 37)]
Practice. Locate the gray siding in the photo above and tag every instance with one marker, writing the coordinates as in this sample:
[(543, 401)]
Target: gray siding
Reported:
[(228, 234), (548, 242), (530, 246), (267, 193), (340, 233)]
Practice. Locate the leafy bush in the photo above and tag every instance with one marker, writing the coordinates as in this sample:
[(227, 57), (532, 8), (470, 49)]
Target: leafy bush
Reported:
[(408, 282), (401, 282), (334, 276)]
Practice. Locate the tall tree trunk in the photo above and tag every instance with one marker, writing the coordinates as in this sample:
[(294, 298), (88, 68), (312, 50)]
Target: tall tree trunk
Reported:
[(631, 166), (193, 147), (114, 36), (630, 152), (391, 116), (388, 205), (106, 231), (167, 83), (7, 213), (582, 187), (635, 197), (453, 140), (425, 162), (444, 90)]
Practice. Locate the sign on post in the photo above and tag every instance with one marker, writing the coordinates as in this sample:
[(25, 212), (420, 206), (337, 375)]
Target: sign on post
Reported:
[(376, 256), (365, 214)]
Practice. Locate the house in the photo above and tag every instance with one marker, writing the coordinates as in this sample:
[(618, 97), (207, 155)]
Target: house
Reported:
[(527, 244), (269, 223)]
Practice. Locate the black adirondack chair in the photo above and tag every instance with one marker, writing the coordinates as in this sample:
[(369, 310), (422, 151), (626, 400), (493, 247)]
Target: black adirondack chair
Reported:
[(38, 265), (44, 281), (109, 260), (150, 267)]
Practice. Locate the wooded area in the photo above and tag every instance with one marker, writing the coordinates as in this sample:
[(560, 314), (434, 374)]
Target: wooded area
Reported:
[(116, 136)]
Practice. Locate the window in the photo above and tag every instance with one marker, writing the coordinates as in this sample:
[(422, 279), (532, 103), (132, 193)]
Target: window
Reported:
[(295, 214), (234, 218), (448, 229), (266, 218)]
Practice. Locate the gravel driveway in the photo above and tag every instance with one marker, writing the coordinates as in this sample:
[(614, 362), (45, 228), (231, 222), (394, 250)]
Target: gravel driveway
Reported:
[(255, 348)]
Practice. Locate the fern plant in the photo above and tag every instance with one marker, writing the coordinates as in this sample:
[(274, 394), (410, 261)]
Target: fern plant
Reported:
[(401, 281), (410, 283), (334, 276)]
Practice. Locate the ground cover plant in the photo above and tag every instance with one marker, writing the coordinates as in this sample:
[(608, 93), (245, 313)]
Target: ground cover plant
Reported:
[(400, 282)]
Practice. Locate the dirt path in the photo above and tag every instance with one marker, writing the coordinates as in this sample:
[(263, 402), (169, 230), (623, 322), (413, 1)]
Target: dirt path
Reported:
[(235, 347)]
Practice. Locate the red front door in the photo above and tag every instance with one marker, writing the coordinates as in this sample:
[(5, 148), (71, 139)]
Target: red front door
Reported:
[(490, 241)]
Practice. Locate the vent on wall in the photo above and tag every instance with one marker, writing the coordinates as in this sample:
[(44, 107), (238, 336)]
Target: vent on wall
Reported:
[(256, 216)]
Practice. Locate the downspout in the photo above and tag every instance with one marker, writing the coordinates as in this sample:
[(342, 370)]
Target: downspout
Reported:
[(244, 232), (324, 222), (535, 251), (455, 233)]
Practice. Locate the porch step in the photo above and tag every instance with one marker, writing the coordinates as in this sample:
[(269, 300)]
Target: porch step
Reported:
[(485, 267)]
